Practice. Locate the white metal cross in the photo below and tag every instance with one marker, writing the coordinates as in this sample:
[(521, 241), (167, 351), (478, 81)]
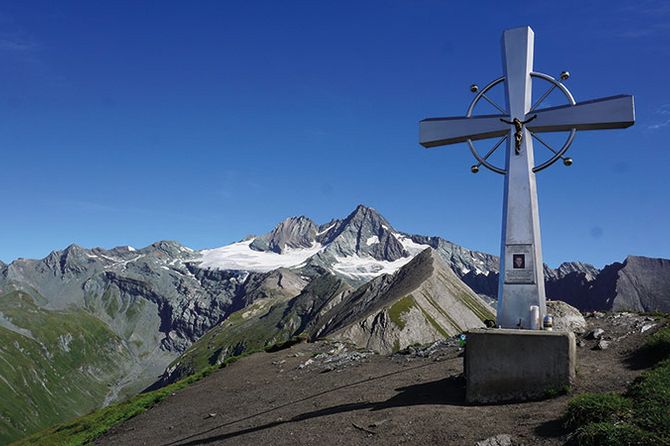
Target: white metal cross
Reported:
[(521, 282)]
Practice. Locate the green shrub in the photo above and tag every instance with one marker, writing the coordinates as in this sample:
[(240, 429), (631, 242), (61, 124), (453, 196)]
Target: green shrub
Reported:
[(595, 408), (615, 434)]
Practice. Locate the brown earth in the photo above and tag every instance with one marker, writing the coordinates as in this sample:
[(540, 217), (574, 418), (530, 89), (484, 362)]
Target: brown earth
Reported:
[(341, 398)]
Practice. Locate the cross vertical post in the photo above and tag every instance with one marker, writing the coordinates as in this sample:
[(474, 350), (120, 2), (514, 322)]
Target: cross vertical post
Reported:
[(521, 284)]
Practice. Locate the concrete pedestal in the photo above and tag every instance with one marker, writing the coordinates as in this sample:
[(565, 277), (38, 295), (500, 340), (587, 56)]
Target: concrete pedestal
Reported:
[(517, 365)]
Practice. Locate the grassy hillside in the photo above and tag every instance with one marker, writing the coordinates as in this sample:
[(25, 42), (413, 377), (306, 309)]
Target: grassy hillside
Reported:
[(54, 365)]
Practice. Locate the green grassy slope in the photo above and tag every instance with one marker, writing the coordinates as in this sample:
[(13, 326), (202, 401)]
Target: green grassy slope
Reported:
[(54, 365)]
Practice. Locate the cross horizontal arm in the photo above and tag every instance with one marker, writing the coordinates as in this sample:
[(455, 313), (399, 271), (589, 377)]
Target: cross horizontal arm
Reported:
[(435, 132), (615, 112)]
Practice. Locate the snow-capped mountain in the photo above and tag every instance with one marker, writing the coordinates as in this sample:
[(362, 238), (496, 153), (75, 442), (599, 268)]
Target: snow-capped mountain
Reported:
[(360, 247)]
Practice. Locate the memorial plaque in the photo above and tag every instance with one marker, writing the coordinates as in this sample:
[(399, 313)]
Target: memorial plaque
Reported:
[(519, 267)]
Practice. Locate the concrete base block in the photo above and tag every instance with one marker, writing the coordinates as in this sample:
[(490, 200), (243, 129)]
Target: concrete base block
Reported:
[(517, 365)]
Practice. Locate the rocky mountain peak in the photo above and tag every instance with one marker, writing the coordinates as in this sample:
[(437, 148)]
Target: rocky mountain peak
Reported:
[(364, 232), (72, 260), (292, 233), (165, 248), (566, 268)]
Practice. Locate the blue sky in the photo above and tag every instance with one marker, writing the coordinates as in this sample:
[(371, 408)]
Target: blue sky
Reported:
[(130, 122)]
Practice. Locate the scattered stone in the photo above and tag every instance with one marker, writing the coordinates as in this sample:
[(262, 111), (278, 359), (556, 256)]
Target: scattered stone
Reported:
[(498, 440), (210, 415), (278, 362), (596, 334), (602, 345), (306, 363), (581, 343), (646, 327)]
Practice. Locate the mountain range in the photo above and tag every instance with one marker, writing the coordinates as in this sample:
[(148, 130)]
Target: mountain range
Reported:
[(84, 327)]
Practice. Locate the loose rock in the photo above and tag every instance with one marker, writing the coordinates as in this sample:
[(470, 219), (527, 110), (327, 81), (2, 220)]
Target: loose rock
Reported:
[(498, 440), (602, 345), (596, 334)]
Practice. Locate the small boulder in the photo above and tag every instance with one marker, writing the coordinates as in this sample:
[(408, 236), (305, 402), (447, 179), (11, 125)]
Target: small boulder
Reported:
[(498, 440), (566, 317), (596, 334), (602, 345)]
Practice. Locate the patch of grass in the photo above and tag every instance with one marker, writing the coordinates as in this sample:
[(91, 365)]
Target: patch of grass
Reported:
[(557, 391), (84, 430), (615, 434), (400, 307), (651, 394), (595, 408)]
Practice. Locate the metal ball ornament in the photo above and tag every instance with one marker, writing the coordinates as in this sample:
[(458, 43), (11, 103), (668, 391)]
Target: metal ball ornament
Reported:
[(567, 161), (474, 88), (474, 169), (565, 75)]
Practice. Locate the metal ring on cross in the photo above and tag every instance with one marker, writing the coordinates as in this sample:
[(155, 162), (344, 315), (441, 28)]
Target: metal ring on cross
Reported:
[(557, 154)]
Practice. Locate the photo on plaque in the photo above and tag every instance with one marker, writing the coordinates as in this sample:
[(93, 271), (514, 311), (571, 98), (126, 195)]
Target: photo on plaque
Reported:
[(519, 261)]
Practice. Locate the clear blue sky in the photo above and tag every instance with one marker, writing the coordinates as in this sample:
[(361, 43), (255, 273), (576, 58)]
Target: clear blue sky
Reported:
[(131, 122)]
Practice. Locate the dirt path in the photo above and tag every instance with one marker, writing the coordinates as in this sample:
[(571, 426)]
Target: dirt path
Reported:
[(268, 398)]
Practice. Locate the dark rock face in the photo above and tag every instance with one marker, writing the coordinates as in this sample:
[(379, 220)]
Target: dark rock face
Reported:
[(639, 284), (294, 232)]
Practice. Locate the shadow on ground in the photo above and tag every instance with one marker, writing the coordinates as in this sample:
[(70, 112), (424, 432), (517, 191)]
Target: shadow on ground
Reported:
[(449, 391)]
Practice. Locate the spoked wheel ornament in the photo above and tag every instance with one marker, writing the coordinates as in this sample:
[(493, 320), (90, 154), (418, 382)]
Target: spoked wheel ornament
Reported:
[(556, 154)]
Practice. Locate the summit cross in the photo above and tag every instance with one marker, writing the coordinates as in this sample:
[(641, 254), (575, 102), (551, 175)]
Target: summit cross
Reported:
[(521, 282)]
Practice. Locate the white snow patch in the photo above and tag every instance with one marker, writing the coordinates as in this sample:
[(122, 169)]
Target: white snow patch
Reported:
[(239, 256), (412, 247), (130, 248), (327, 229), (367, 267), (372, 240)]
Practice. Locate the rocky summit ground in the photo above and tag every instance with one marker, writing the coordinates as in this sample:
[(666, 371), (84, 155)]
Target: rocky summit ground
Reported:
[(327, 393)]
